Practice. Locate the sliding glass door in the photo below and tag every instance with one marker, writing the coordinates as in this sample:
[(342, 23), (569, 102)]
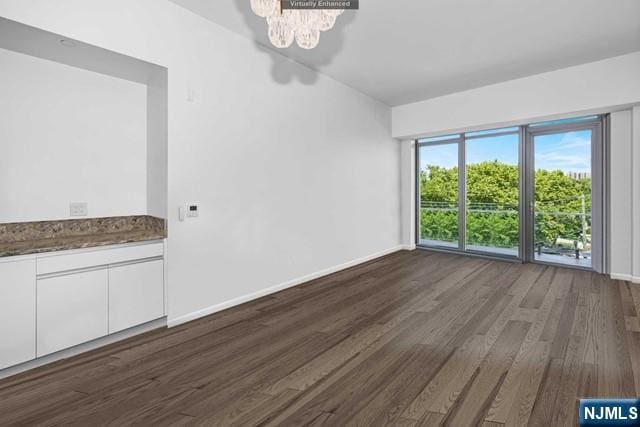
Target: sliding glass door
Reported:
[(533, 192), (565, 211)]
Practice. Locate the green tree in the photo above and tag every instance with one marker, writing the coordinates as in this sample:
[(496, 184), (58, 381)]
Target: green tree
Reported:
[(493, 182), (438, 184), (556, 196), (492, 201)]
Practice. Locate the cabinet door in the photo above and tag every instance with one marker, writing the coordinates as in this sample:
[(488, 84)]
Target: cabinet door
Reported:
[(72, 309), (17, 312), (136, 294)]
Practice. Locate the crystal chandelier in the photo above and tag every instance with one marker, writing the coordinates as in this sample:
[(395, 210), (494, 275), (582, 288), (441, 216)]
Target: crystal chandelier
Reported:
[(302, 25)]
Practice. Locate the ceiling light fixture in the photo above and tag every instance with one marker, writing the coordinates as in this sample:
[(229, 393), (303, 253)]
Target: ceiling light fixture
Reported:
[(303, 25)]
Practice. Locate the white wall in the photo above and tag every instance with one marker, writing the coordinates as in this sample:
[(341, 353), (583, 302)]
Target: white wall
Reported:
[(625, 191), (157, 146), (292, 178), (621, 256), (69, 135), (597, 86), (636, 193), (625, 194), (408, 193)]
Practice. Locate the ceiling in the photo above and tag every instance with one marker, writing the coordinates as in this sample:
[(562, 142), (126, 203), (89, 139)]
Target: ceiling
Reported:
[(401, 51)]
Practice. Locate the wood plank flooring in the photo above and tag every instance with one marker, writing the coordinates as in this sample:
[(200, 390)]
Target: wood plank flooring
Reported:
[(411, 339)]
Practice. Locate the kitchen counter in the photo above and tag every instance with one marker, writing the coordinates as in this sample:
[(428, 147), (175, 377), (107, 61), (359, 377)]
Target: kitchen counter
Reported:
[(49, 236)]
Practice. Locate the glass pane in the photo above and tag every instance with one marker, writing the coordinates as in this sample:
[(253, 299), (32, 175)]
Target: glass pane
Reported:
[(564, 121), (438, 138), (562, 210), (493, 195), (492, 132), (439, 195)]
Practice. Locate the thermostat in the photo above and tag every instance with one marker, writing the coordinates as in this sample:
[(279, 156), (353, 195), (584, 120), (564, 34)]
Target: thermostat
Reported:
[(192, 211)]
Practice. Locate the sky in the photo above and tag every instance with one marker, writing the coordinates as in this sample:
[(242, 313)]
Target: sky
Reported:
[(568, 151)]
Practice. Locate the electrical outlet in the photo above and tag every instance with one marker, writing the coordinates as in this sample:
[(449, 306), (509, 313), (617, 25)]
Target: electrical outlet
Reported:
[(79, 209)]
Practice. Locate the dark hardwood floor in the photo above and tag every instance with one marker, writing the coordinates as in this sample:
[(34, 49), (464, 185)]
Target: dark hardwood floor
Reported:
[(414, 338)]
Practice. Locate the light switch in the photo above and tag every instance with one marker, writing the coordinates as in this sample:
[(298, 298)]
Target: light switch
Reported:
[(191, 95), (79, 209)]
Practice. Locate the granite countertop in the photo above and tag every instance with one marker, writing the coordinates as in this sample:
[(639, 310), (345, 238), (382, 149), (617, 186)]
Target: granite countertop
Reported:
[(49, 236)]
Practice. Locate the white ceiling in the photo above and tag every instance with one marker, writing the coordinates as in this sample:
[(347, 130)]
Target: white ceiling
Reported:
[(401, 51)]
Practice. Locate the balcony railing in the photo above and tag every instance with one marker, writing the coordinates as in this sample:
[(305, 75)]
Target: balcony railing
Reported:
[(557, 232)]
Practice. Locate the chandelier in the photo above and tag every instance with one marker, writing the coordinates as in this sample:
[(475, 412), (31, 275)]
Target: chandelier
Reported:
[(303, 25)]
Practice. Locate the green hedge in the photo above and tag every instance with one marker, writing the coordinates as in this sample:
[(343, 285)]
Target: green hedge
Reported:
[(484, 229), (494, 186)]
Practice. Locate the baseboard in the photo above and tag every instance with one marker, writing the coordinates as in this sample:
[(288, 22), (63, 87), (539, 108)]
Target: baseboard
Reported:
[(282, 286), (625, 277), (410, 247), (82, 348)]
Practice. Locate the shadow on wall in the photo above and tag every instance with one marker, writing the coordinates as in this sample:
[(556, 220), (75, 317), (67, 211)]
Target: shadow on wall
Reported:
[(331, 43)]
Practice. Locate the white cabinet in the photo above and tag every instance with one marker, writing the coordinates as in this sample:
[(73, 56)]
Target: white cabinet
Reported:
[(136, 294), (17, 312), (72, 309), (54, 301), (97, 257)]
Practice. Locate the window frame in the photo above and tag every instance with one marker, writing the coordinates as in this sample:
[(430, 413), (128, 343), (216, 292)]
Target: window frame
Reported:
[(525, 132)]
